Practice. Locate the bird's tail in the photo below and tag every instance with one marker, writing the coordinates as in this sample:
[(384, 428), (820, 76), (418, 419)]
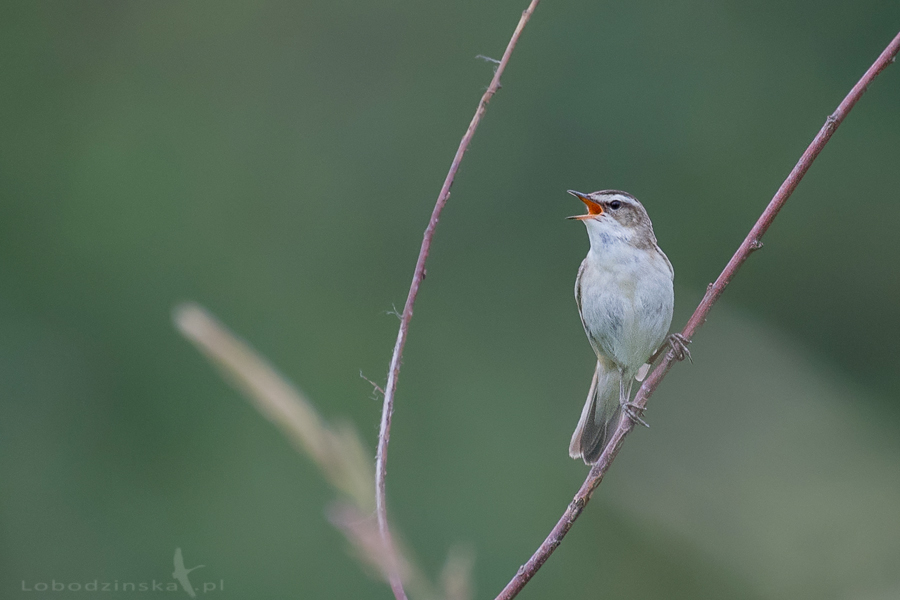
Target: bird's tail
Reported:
[(599, 417)]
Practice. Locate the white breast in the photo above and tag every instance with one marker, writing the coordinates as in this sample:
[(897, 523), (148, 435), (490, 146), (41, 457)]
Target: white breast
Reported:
[(626, 301)]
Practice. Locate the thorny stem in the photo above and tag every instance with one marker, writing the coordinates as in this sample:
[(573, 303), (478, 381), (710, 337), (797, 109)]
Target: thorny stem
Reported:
[(390, 387), (713, 292)]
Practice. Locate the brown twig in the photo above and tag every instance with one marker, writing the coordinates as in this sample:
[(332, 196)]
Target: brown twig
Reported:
[(713, 292), (334, 447), (390, 387)]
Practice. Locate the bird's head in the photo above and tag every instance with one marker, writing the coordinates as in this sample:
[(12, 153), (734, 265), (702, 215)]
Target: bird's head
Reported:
[(614, 215)]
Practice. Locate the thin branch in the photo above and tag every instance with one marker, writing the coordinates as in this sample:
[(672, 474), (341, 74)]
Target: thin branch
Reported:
[(384, 435), (375, 386), (713, 292), (335, 448)]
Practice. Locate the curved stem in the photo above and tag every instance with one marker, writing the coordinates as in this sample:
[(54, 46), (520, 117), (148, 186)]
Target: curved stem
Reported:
[(390, 387), (713, 292)]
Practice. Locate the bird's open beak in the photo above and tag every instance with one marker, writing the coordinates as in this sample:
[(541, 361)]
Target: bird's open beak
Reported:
[(594, 209)]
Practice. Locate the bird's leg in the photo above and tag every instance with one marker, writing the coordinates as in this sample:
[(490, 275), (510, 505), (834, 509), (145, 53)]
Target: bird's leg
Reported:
[(633, 411), (677, 344)]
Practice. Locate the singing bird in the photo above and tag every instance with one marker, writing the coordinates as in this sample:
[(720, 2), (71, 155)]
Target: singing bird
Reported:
[(625, 299)]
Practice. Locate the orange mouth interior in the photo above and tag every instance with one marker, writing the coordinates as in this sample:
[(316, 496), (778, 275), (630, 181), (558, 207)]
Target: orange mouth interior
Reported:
[(594, 209)]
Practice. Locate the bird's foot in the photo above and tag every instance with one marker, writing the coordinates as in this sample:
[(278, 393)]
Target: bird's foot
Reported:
[(678, 346), (635, 413)]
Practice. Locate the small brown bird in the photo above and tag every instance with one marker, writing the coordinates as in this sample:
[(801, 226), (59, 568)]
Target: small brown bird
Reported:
[(625, 299)]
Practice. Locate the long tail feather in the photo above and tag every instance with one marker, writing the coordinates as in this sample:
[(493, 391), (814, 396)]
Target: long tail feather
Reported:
[(599, 417)]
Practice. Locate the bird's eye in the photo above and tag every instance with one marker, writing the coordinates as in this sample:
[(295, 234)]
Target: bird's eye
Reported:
[(615, 205)]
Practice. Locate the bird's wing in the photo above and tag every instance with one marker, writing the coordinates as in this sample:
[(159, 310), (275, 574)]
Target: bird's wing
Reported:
[(668, 262), (578, 283), (578, 294)]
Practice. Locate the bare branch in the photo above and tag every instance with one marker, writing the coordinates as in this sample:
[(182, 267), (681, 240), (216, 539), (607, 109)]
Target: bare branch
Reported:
[(375, 386), (384, 435), (335, 448), (714, 291)]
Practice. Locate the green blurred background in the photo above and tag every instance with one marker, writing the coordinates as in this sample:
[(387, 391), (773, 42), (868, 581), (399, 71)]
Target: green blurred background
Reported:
[(277, 162)]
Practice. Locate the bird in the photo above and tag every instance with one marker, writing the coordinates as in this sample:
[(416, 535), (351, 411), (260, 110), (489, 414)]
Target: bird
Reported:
[(181, 573), (625, 296)]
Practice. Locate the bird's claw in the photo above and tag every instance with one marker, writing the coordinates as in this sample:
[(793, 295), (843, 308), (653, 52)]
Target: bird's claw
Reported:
[(678, 345), (635, 413)]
